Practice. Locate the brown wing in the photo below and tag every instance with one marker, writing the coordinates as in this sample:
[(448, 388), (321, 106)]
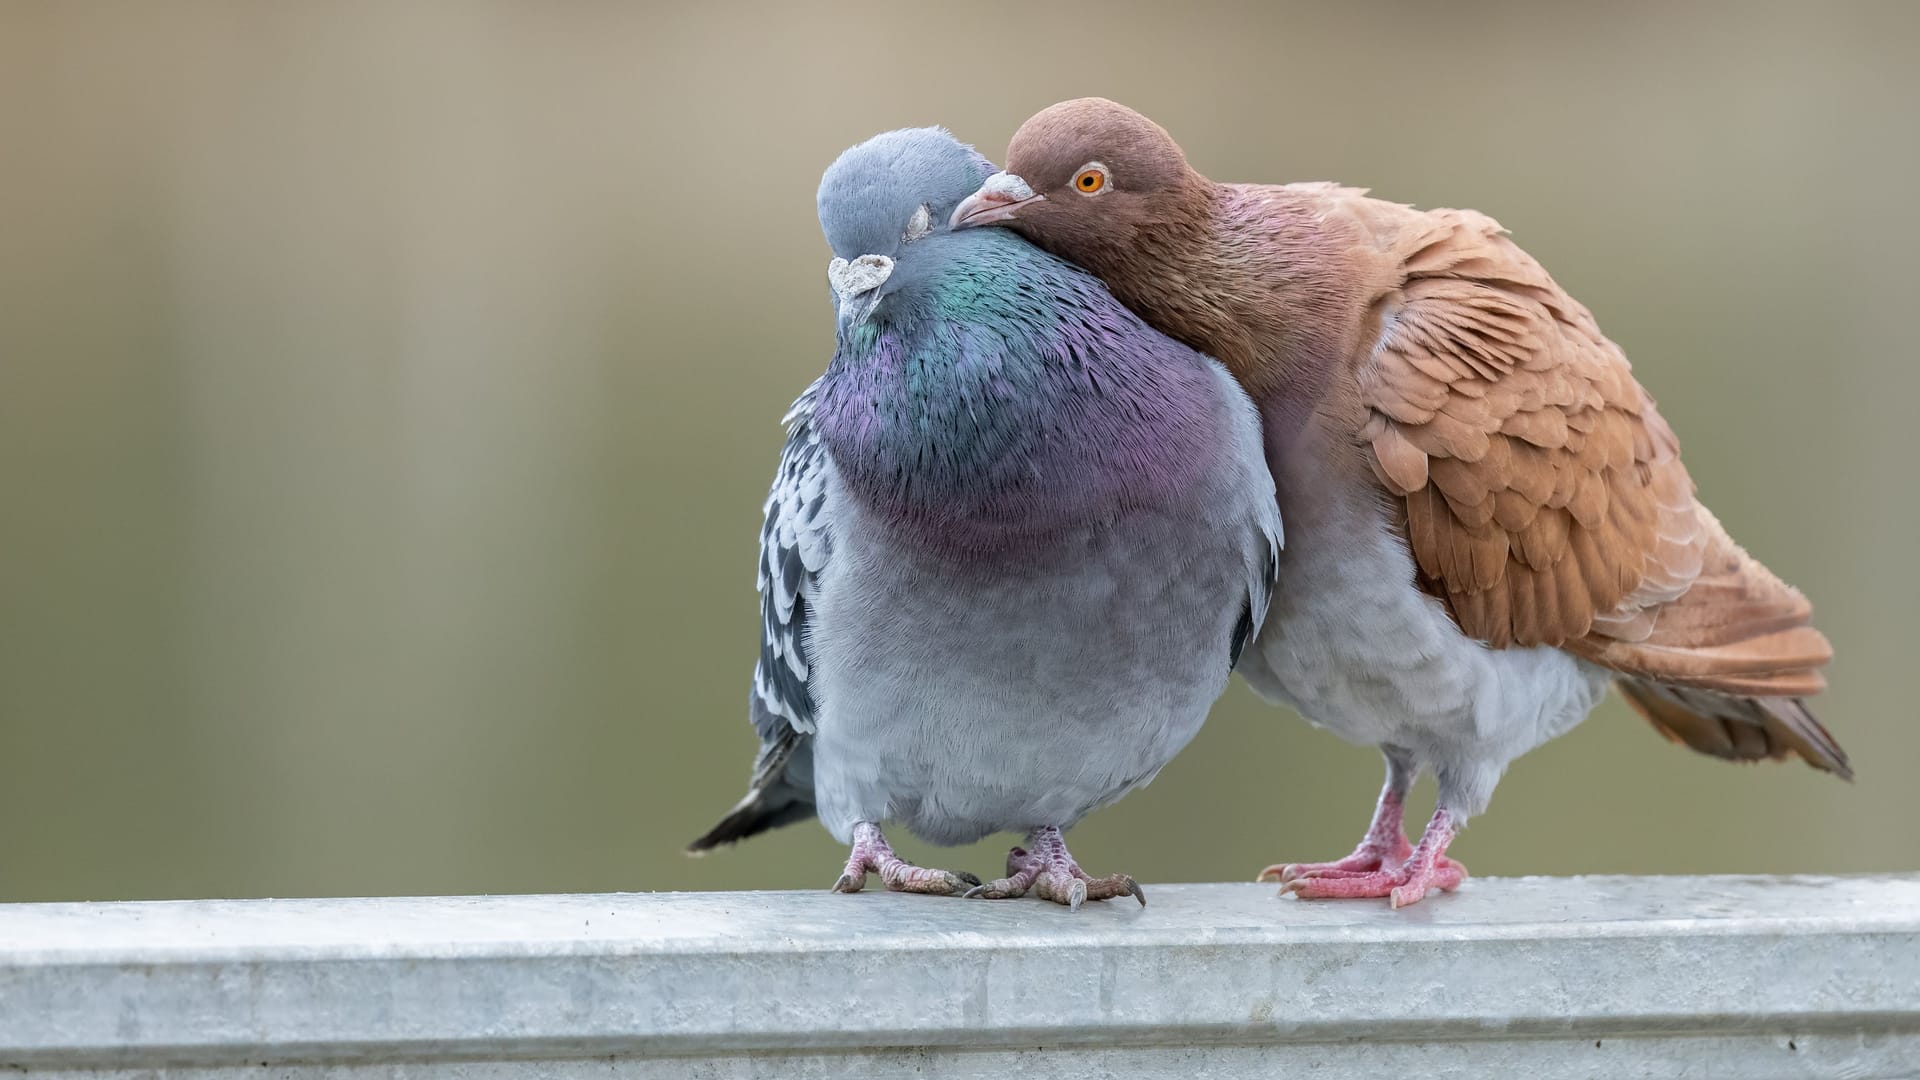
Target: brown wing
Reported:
[(1545, 500)]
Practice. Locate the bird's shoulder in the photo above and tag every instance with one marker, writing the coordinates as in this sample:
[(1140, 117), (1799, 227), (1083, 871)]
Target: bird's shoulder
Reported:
[(1330, 222)]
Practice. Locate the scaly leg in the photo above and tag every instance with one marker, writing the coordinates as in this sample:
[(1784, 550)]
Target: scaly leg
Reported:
[(1385, 843), (872, 852), (1051, 872)]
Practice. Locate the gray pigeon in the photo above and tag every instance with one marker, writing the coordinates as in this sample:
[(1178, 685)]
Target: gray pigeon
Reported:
[(1015, 545)]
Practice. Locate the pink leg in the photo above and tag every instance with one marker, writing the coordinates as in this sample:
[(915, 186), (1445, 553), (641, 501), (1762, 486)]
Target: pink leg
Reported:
[(1052, 874), (872, 852), (1384, 845), (1427, 867)]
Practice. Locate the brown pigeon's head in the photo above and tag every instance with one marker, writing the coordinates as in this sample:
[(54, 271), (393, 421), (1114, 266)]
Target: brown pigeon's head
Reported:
[(1082, 178)]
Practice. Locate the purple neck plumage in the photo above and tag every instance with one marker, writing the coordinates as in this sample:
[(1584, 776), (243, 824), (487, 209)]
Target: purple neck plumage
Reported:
[(994, 415)]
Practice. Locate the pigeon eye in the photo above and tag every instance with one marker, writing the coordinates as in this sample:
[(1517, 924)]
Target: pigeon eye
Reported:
[(919, 225), (1091, 180)]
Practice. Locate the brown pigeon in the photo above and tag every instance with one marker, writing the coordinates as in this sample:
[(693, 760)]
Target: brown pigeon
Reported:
[(1487, 519)]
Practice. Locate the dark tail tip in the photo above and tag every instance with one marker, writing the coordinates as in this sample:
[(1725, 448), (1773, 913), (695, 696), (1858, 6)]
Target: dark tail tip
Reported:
[(1821, 749), (755, 814), (1738, 728)]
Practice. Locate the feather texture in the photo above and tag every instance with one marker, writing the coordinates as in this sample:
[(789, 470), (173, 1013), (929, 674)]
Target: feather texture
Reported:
[(1440, 384), (1016, 539), (1545, 498), (794, 545)]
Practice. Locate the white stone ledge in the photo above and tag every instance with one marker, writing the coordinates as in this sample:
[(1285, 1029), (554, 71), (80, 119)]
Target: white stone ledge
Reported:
[(1571, 977)]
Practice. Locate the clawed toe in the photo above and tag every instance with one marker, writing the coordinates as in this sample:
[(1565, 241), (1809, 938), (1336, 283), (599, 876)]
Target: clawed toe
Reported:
[(998, 889), (1047, 871), (1061, 887), (919, 879), (1050, 873), (1309, 873), (1082, 888), (1368, 858), (1071, 886), (1406, 884), (1383, 865), (1335, 885), (1282, 873), (871, 852)]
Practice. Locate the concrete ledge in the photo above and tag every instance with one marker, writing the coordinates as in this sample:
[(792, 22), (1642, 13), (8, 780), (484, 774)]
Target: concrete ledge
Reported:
[(1535, 977)]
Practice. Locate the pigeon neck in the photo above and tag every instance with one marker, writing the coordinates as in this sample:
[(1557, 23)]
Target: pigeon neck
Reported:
[(1176, 276), (1248, 275), (1021, 408)]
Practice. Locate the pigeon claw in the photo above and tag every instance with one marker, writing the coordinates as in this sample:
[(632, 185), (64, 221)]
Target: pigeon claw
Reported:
[(871, 852), (1372, 871), (998, 889), (1075, 889), (1367, 858), (1022, 870), (1406, 884), (1050, 872), (1062, 887)]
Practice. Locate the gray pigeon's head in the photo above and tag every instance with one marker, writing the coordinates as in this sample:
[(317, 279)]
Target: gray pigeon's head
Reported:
[(883, 195)]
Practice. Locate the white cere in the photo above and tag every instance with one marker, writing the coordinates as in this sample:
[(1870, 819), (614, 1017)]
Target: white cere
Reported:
[(860, 276)]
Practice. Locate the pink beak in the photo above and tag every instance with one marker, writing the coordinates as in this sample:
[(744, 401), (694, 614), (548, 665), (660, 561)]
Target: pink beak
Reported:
[(999, 199)]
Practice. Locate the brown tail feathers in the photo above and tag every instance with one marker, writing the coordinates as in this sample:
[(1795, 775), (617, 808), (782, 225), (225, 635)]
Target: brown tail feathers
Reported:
[(1737, 728)]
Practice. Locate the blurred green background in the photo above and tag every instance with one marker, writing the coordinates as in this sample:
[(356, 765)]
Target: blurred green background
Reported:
[(388, 393)]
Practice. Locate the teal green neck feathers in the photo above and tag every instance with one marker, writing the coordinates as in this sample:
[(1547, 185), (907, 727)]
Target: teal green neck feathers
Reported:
[(998, 383)]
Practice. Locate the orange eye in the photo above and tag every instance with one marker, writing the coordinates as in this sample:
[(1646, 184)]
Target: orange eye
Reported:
[(1090, 181)]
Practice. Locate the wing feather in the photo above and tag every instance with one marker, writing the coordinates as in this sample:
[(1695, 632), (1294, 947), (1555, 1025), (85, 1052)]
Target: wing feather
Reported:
[(796, 540), (1545, 500)]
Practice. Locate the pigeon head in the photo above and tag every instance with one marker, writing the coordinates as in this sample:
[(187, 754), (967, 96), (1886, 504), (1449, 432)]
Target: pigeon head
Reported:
[(1082, 178), (884, 206)]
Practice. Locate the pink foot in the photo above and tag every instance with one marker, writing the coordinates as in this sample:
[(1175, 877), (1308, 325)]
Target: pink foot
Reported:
[(1384, 846), (1366, 858), (1404, 885), (872, 852), (1052, 874), (1425, 867)]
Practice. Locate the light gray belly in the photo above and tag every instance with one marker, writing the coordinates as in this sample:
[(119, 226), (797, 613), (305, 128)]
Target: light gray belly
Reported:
[(1357, 648), (965, 699)]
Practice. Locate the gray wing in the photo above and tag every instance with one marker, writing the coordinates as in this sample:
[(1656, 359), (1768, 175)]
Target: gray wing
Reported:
[(795, 542), (1260, 588)]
